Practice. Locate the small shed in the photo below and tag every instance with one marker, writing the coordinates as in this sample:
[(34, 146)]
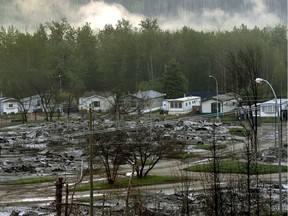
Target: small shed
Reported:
[(226, 103)]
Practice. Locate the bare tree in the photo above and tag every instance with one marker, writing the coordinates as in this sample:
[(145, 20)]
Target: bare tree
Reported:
[(243, 67), (123, 105), (213, 203), (108, 146), (147, 147), (183, 189)]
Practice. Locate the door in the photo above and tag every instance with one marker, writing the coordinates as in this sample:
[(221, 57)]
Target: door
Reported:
[(214, 107)]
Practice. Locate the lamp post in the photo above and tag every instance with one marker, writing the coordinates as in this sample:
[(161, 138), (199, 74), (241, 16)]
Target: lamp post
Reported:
[(90, 163), (60, 82), (260, 80), (217, 106)]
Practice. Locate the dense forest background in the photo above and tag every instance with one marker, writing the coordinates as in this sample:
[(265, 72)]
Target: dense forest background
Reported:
[(123, 59)]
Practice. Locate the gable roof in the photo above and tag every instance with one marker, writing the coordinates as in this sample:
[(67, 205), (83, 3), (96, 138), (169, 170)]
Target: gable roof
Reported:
[(185, 98), (226, 97), (150, 94), (5, 100)]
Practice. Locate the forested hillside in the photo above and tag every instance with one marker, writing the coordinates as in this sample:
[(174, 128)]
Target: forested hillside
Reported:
[(123, 59)]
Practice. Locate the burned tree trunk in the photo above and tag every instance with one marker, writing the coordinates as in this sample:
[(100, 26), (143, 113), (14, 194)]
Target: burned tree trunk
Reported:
[(59, 187)]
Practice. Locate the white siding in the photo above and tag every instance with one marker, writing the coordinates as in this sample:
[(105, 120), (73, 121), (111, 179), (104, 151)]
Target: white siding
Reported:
[(181, 105), (267, 109), (206, 106), (96, 102), (10, 107)]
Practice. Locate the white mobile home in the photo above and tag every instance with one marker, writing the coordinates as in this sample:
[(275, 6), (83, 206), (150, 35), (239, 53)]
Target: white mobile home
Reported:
[(98, 101), (142, 102), (32, 104), (267, 109), (9, 105), (182, 105)]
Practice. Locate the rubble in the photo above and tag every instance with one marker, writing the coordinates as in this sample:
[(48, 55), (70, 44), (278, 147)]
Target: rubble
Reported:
[(59, 148)]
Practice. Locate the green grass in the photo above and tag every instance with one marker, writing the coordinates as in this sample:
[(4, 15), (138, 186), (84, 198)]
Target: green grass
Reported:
[(184, 155), (238, 131), (35, 180), (268, 120), (232, 166), (123, 182), (147, 163), (210, 147), (229, 118)]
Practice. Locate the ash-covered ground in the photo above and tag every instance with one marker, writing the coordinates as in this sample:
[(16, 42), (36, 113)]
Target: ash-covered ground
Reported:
[(59, 149)]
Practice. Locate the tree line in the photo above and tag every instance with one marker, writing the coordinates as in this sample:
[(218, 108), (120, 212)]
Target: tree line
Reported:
[(124, 59)]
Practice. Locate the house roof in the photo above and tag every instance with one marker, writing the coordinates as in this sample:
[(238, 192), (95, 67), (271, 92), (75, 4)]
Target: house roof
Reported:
[(226, 97), (97, 93), (185, 98), (8, 100), (33, 97), (203, 95), (148, 94), (282, 100)]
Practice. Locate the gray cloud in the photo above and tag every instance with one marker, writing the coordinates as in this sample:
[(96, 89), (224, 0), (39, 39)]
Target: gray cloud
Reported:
[(218, 20), (28, 14)]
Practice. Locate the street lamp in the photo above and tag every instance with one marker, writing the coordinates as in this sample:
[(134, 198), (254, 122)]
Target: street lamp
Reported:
[(90, 163), (217, 107), (260, 80), (60, 82)]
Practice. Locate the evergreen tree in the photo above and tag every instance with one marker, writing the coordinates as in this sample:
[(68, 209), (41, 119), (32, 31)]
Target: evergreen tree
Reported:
[(173, 81)]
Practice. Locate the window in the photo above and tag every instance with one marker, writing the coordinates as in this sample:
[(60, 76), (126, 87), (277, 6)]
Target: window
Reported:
[(268, 109), (95, 103), (186, 104), (175, 104), (10, 105)]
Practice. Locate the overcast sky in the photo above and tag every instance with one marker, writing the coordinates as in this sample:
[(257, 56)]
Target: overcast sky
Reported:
[(28, 14)]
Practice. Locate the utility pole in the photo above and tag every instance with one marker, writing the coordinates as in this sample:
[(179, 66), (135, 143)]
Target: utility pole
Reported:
[(126, 210), (277, 110), (91, 162), (217, 95)]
